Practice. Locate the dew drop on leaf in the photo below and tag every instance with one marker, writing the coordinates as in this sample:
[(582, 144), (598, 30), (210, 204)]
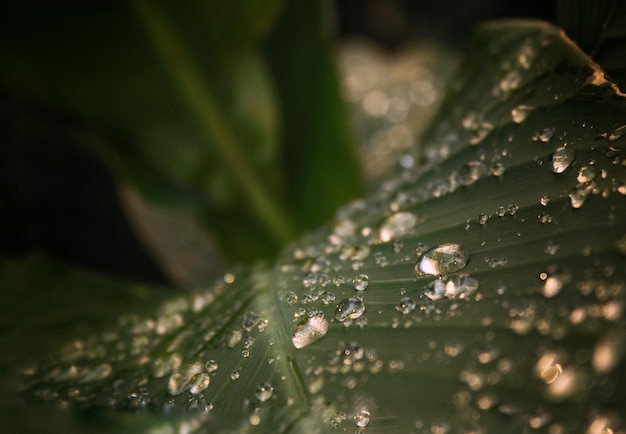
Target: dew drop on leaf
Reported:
[(312, 329), (471, 172), (400, 223), (362, 418), (264, 392), (521, 112), (544, 135), (561, 159), (199, 383), (579, 194), (361, 282), (406, 305), (349, 308), (211, 366), (442, 259)]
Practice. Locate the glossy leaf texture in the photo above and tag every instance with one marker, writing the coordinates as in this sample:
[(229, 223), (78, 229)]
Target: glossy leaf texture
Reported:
[(186, 106), (482, 291)]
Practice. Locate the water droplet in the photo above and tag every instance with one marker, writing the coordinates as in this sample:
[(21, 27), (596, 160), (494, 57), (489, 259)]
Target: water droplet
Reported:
[(471, 172), (166, 363), (617, 133), (554, 279), (250, 321), (264, 392), (521, 112), (498, 169), (561, 159), (579, 194), (361, 282), (608, 352), (100, 372), (233, 337), (544, 135), (349, 308), (362, 418), (199, 383), (181, 378), (545, 200), (310, 330), (442, 259), (399, 224), (235, 375), (586, 174), (406, 305), (211, 366), (459, 287)]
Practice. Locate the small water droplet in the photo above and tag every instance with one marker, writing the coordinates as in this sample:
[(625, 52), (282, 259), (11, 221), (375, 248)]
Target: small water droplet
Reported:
[(442, 259), (521, 112), (544, 135), (406, 305), (562, 158), (250, 321), (264, 392), (471, 172), (554, 279), (579, 194), (545, 200), (100, 372), (399, 224), (211, 366), (311, 330), (361, 282), (349, 308), (498, 169), (586, 174), (362, 418), (233, 337), (181, 378), (166, 363), (617, 133), (235, 375), (199, 383), (459, 287)]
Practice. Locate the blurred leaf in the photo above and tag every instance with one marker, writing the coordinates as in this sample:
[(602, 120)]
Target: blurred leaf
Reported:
[(599, 28), (318, 155), (481, 292), (186, 104)]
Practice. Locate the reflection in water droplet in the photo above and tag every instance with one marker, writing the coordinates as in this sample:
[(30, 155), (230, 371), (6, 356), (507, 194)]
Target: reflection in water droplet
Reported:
[(311, 330), (406, 305), (562, 158), (399, 224), (264, 392), (442, 259), (361, 282), (349, 308), (471, 172)]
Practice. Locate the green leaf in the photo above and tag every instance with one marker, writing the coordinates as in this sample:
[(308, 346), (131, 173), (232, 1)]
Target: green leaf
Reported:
[(318, 155), (480, 292)]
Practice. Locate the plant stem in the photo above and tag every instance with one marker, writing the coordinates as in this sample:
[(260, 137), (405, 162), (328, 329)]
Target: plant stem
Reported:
[(214, 125)]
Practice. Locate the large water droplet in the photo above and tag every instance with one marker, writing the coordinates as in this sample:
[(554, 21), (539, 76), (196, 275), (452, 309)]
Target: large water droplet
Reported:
[(561, 159), (211, 366), (442, 259), (399, 224), (264, 392), (350, 308), (310, 330), (471, 172)]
